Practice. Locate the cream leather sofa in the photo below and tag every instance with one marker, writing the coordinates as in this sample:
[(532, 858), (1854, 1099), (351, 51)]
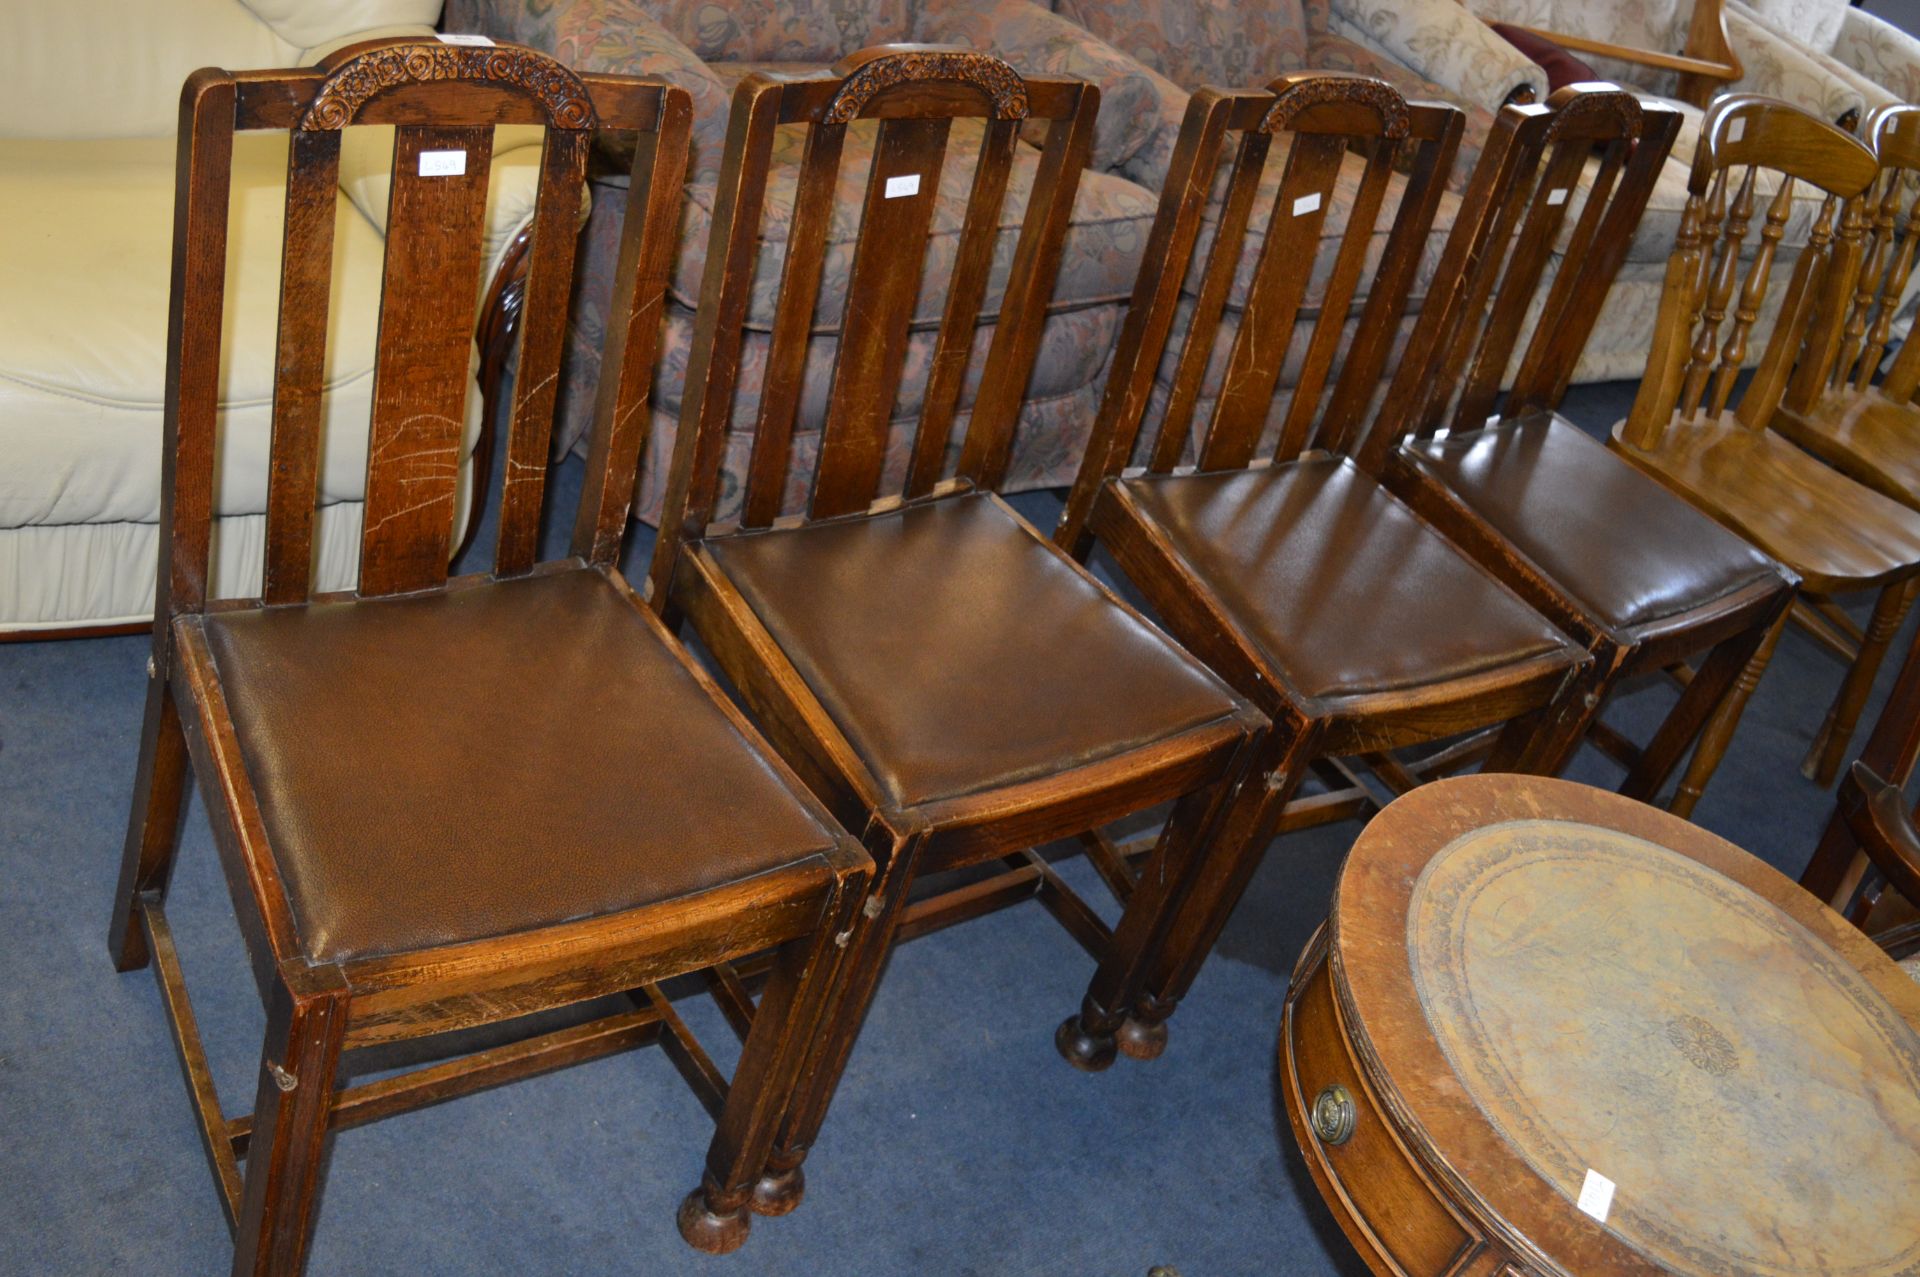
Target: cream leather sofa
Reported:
[(89, 93)]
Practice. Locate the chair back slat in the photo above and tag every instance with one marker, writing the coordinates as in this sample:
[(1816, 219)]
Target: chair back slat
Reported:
[(444, 103), (966, 290), (1547, 208), (435, 237), (1752, 148), (1327, 122), (1309, 387), (988, 447), (1223, 261), (913, 92), (1575, 300), (792, 325), (306, 287), (1901, 232), (543, 332), (887, 260), (1893, 131), (1280, 279)]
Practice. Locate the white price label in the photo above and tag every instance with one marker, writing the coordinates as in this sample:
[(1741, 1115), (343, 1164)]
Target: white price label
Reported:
[(1737, 130), (471, 41), (904, 185), (443, 163), (1557, 196), (1596, 1195), (1306, 204)]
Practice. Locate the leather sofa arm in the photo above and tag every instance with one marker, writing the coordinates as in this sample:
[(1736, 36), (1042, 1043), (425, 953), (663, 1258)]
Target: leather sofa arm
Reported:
[(1441, 41)]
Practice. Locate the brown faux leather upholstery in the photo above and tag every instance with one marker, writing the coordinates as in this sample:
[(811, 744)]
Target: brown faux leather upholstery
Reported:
[(1624, 547), (454, 766), (898, 624), (1335, 586)]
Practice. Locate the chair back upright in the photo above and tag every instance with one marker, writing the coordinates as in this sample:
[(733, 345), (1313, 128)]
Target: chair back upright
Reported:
[(915, 92), (1320, 119), (444, 101), (1512, 224), (1697, 354), (1886, 267)]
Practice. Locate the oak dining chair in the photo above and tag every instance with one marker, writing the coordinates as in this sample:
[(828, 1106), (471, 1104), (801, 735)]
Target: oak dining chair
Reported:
[(1688, 429), (1638, 575), (949, 682), (1870, 430), (441, 804), (1255, 524)]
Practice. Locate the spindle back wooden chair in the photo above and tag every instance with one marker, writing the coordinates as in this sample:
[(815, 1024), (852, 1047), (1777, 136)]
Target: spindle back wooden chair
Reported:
[(1870, 431), (948, 681), (1637, 574), (1688, 430), (1277, 556), (441, 804)]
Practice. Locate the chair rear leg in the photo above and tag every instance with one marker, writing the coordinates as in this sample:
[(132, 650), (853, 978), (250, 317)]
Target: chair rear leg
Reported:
[(306, 1027), (1708, 695), (1133, 994), (872, 924), (153, 827), (1822, 763), (715, 1217)]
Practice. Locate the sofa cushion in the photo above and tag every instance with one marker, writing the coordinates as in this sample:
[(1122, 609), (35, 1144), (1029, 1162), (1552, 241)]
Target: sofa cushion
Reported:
[(1232, 44), (83, 348)]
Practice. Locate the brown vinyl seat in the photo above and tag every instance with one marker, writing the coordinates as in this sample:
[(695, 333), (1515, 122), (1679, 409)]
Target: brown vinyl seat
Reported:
[(946, 698), (1552, 492), (418, 787), (1326, 576)]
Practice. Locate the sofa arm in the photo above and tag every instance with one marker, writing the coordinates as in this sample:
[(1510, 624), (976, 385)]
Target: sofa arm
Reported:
[(1037, 42), (1880, 51), (614, 36), (1441, 41), (1777, 67)]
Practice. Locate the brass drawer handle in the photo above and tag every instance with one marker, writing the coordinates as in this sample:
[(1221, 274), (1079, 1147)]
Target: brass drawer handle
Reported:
[(1334, 1115)]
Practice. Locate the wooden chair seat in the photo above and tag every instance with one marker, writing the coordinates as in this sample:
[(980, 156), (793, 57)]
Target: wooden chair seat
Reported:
[(1552, 491), (487, 761), (1321, 576), (1863, 434), (1011, 665), (1836, 534)]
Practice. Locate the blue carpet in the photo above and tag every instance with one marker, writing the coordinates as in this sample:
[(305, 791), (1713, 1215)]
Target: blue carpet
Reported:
[(960, 1143)]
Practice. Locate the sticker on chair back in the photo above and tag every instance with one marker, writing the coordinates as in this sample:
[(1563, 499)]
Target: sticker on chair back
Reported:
[(1737, 129), (472, 41), (904, 185), (443, 163), (1556, 196), (1306, 204)]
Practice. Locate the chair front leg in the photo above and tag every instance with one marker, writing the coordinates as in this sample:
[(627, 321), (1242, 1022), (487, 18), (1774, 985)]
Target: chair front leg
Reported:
[(714, 1217), (1822, 763), (872, 924), (153, 826), (306, 1027), (1708, 694), (1187, 891)]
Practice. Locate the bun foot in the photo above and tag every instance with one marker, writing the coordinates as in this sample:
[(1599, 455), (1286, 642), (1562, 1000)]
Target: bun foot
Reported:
[(713, 1233), (1142, 1039), (778, 1192), (1083, 1050)]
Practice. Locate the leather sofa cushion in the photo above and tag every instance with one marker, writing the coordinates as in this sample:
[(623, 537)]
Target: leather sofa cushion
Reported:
[(1627, 549), (1335, 586), (958, 652), (443, 768)]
